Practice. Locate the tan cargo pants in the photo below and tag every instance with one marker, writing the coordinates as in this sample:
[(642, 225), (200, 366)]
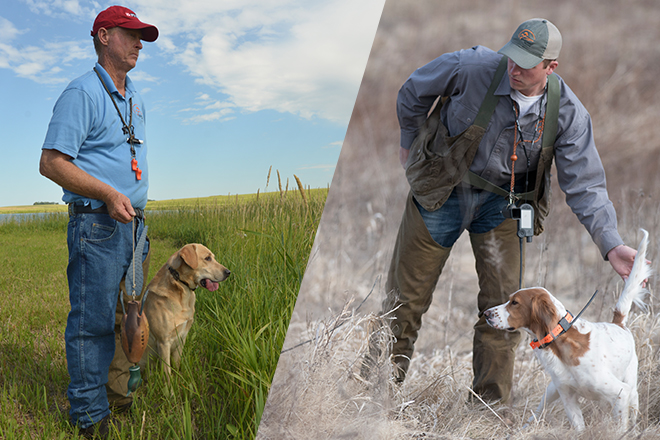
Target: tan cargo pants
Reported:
[(416, 265), (118, 375)]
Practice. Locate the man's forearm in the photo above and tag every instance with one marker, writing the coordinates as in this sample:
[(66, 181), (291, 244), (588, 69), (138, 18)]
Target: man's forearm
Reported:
[(58, 167)]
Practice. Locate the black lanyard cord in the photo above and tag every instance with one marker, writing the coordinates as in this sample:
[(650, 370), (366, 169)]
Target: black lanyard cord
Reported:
[(127, 129)]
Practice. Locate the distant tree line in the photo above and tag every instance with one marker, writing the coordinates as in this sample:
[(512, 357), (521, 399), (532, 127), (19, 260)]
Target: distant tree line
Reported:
[(45, 203)]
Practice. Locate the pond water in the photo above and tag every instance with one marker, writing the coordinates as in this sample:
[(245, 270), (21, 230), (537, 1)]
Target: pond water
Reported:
[(21, 217), (4, 218)]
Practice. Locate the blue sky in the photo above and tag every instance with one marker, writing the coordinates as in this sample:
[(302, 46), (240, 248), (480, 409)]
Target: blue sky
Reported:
[(231, 87)]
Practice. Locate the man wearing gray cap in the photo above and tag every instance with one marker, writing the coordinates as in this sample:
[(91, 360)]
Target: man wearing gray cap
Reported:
[(499, 120)]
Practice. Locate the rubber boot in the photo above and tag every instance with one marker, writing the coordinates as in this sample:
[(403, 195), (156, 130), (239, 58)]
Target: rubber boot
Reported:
[(497, 255), (416, 265)]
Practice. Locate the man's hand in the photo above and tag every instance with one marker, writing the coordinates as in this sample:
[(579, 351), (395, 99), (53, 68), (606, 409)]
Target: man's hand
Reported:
[(403, 156), (622, 258), (119, 207)]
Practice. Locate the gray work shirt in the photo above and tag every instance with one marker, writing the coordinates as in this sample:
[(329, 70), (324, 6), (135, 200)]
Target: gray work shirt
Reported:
[(464, 77)]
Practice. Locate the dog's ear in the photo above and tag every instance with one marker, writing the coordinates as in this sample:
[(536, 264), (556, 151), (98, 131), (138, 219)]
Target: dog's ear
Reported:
[(189, 255), (542, 314)]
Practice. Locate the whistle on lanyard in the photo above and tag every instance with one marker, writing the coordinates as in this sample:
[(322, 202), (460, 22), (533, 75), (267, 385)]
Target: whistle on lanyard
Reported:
[(134, 167), (132, 140)]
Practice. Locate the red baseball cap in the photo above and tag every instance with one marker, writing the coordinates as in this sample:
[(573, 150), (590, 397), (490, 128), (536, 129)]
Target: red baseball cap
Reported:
[(119, 16)]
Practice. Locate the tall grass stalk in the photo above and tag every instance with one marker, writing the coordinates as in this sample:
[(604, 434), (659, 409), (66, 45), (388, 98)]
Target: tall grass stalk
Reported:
[(301, 188)]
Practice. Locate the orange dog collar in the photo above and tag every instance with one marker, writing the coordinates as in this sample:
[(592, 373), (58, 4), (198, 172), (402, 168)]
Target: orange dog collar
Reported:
[(561, 328)]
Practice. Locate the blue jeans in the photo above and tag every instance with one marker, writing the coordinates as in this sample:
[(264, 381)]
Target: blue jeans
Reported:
[(100, 251), (475, 210)]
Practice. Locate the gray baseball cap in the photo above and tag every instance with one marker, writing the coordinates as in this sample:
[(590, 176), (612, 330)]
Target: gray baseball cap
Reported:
[(534, 41)]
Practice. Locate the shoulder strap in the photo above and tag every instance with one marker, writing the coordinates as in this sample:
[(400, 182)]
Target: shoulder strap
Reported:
[(552, 112), (490, 101)]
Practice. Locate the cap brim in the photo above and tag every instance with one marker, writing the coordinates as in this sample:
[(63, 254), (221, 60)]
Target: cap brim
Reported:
[(519, 56), (149, 32)]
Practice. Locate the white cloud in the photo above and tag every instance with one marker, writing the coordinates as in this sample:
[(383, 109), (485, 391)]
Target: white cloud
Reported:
[(65, 9), (7, 30), (222, 115), (337, 144), (304, 57), (142, 76), (223, 110), (298, 56), (38, 63), (218, 105)]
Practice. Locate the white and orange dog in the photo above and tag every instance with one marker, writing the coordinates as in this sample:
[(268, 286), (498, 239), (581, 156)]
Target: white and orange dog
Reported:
[(594, 360)]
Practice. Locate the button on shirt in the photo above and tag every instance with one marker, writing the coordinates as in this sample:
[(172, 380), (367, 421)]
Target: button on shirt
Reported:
[(464, 77), (85, 125)]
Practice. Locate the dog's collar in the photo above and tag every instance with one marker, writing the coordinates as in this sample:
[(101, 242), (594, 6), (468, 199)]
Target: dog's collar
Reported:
[(177, 277), (564, 324)]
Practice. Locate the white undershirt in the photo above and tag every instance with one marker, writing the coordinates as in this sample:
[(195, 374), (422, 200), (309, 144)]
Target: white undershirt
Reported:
[(525, 103)]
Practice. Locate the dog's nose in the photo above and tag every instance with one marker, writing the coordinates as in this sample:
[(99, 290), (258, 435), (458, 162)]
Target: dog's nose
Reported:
[(227, 273), (487, 313)]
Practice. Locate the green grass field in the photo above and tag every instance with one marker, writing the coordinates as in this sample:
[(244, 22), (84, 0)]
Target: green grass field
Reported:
[(233, 348), (153, 205)]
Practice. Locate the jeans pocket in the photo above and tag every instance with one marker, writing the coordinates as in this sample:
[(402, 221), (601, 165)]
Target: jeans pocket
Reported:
[(102, 228)]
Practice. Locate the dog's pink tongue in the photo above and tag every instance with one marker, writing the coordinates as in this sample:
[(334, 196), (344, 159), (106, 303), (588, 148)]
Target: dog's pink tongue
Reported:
[(211, 285)]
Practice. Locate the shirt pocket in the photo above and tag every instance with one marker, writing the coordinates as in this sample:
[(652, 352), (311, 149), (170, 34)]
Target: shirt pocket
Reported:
[(459, 118)]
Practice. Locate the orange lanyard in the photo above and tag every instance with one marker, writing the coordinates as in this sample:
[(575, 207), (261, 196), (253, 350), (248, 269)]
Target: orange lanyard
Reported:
[(540, 124)]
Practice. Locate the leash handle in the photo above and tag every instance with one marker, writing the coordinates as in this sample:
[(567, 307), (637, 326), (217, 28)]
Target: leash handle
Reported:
[(134, 228), (135, 275)]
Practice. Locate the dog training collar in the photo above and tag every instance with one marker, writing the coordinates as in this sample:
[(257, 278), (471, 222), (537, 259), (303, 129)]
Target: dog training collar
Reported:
[(177, 277), (564, 324)]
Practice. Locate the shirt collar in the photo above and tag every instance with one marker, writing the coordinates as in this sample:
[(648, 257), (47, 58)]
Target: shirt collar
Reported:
[(504, 89), (130, 90)]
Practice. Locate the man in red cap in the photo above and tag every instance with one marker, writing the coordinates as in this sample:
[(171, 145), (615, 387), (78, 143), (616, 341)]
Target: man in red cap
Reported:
[(96, 150)]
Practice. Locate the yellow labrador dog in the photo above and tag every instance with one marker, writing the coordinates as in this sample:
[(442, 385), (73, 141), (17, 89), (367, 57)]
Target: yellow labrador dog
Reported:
[(170, 303)]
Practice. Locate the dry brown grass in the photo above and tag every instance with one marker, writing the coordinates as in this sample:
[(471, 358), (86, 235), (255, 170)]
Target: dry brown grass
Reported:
[(330, 400), (610, 59)]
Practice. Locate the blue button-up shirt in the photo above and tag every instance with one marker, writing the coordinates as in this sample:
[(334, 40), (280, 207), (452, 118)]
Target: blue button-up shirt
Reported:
[(86, 126), (464, 77)]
